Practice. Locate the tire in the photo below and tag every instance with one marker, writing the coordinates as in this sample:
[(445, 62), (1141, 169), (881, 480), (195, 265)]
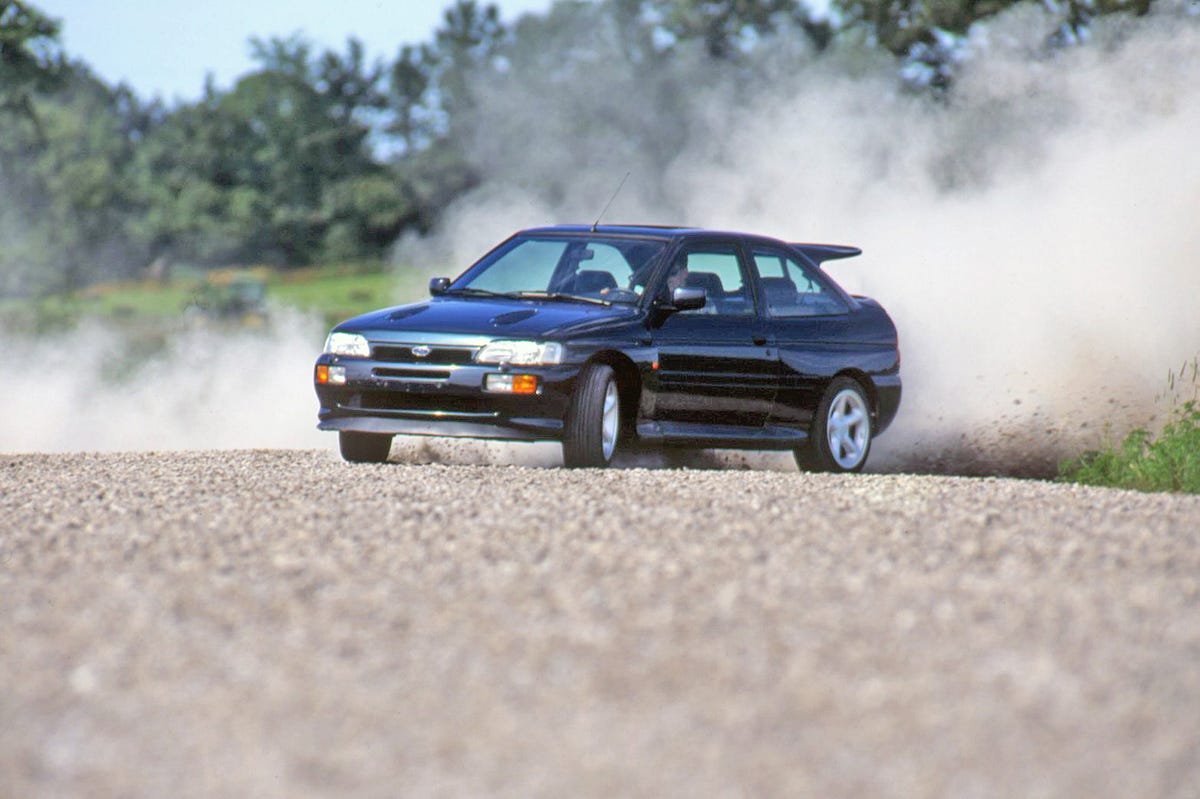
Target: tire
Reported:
[(840, 437), (593, 423), (364, 447)]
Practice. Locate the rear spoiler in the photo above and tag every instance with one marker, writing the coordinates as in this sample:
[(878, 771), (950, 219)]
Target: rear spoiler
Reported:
[(827, 252)]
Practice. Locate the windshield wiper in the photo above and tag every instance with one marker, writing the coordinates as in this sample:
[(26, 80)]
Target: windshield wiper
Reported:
[(470, 292), (557, 295)]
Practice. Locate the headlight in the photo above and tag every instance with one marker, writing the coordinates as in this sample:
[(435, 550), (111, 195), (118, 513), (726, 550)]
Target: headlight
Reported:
[(350, 344), (523, 353)]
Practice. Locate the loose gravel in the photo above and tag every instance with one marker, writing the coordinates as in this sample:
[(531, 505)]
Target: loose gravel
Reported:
[(282, 624)]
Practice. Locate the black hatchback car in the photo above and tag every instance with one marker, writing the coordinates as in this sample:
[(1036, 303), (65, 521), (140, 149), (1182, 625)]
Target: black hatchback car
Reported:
[(609, 336)]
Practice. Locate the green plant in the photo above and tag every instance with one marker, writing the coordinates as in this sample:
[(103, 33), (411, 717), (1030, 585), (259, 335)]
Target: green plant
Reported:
[(1144, 462)]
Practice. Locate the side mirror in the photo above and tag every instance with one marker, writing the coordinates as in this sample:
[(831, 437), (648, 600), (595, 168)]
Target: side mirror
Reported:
[(438, 286), (688, 298)]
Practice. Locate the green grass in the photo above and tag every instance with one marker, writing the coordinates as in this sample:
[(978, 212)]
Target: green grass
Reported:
[(1169, 461), (332, 292), (339, 296)]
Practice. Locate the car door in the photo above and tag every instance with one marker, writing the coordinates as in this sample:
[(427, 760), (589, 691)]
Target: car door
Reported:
[(715, 367), (807, 321)]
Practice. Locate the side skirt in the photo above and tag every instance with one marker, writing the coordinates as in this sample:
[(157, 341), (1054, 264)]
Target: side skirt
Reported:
[(711, 436)]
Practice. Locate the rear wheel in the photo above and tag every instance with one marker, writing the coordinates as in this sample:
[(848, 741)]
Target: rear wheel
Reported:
[(840, 437), (593, 421), (364, 447)]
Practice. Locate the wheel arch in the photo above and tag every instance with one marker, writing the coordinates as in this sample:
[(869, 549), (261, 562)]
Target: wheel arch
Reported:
[(868, 385), (629, 384)]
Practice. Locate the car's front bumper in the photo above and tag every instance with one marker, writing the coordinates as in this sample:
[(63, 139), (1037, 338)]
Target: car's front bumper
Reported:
[(443, 400)]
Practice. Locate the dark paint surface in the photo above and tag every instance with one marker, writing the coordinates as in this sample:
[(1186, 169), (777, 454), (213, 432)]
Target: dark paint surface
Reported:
[(698, 378)]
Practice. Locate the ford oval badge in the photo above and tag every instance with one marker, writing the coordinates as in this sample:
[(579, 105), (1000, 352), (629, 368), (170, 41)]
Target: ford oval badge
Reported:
[(421, 351)]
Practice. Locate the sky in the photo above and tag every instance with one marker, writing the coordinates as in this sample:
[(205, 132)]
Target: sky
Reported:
[(167, 47)]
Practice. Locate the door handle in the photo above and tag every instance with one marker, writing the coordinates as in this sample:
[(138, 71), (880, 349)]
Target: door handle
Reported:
[(759, 340)]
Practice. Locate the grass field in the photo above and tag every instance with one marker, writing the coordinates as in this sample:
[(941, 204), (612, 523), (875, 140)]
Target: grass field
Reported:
[(338, 296), (334, 293)]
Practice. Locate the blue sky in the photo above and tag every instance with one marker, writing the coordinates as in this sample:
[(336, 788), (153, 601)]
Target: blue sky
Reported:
[(166, 47)]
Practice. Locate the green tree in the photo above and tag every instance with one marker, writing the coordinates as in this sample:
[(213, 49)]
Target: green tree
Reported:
[(724, 26), (66, 139), (926, 35), (31, 61), (68, 192), (408, 97), (463, 46), (261, 172), (433, 110)]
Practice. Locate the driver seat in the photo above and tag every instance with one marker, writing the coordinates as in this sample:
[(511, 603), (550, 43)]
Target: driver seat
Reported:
[(592, 281), (711, 283)]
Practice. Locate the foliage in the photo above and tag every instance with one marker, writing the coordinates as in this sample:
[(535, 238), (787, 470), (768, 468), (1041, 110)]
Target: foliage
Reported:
[(317, 156), (731, 27), (244, 175), (69, 172), (30, 60), (1168, 462)]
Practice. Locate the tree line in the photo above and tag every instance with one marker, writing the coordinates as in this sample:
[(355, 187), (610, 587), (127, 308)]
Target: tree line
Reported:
[(329, 155)]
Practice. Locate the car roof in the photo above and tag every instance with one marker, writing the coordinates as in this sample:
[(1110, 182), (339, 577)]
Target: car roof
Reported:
[(817, 252), (655, 231)]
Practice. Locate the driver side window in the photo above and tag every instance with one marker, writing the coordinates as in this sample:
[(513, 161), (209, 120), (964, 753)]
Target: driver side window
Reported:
[(718, 270)]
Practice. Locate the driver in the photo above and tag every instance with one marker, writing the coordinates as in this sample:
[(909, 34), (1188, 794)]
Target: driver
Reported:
[(678, 275), (678, 278)]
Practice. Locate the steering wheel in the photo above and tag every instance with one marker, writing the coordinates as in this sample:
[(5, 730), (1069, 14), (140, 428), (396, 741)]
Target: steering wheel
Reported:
[(615, 293)]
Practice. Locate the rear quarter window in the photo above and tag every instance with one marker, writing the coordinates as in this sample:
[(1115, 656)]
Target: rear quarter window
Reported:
[(793, 290)]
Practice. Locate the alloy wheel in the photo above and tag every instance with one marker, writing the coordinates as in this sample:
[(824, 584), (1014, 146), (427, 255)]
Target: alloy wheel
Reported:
[(610, 420), (848, 428)]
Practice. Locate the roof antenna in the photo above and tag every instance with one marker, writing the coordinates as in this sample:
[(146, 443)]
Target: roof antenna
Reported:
[(610, 202)]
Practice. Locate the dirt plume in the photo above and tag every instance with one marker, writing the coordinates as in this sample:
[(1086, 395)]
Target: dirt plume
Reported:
[(100, 388)]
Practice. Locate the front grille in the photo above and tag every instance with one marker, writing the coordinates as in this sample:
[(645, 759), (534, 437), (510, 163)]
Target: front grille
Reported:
[(395, 353), (403, 401), (419, 374)]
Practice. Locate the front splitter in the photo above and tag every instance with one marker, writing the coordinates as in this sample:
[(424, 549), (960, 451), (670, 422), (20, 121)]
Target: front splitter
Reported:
[(517, 429)]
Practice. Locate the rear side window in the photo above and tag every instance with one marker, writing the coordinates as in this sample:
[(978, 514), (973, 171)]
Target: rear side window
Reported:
[(791, 289)]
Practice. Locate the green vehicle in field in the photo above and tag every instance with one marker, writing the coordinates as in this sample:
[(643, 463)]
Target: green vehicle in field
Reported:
[(232, 295)]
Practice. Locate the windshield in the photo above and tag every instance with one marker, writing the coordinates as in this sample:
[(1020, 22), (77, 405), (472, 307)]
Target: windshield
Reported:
[(583, 267)]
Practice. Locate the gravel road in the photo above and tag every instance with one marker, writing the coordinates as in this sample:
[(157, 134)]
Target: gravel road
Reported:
[(281, 624)]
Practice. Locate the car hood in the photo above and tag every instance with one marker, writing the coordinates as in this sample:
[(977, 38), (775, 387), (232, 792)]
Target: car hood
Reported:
[(490, 318)]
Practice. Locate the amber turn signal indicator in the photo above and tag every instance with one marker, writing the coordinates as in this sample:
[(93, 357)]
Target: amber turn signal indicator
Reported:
[(511, 384), (331, 375), (524, 384)]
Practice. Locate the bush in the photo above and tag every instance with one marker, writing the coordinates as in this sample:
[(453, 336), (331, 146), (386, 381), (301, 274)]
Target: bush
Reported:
[(1170, 462)]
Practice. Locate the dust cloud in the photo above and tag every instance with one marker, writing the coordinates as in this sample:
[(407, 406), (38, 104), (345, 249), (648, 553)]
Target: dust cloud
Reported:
[(95, 388), (1033, 233)]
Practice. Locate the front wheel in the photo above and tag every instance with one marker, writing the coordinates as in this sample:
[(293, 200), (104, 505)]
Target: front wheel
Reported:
[(594, 419), (840, 437), (364, 447)]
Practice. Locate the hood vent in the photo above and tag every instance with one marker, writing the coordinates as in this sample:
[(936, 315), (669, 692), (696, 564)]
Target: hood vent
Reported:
[(405, 313), (512, 317)]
